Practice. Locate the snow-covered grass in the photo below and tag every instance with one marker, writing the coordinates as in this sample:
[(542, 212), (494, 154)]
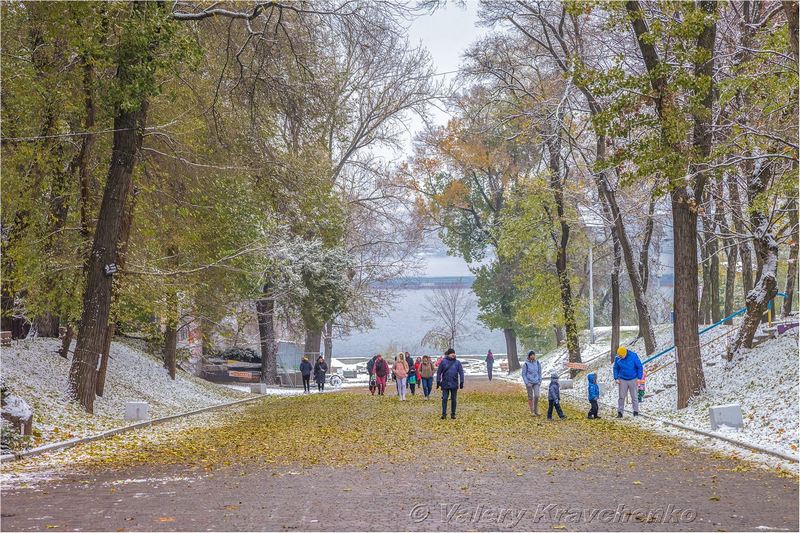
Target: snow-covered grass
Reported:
[(35, 372), (764, 381)]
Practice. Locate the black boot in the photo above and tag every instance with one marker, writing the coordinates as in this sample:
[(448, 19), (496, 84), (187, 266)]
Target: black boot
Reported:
[(636, 413), (444, 416), (619, 414)]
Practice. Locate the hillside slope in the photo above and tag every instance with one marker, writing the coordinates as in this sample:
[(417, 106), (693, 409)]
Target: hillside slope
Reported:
[(34, 371)]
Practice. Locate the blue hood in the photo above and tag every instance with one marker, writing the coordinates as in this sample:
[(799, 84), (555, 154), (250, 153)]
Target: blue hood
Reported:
[(593, 389)]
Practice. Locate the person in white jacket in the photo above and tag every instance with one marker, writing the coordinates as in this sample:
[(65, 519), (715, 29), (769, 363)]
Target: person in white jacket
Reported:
[(532, 377)]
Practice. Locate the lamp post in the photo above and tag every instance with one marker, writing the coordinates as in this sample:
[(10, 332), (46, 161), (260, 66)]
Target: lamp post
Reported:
[(591, 296)]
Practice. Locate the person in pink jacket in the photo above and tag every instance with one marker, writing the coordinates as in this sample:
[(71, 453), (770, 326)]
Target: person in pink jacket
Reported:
[(400, 369)]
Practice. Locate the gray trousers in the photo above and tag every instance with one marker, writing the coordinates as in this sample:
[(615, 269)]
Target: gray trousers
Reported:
[(628, 386)]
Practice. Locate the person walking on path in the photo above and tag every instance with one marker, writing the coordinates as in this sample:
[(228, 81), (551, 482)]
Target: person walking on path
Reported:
[(426, 372), (305, 372), (371, 374), (628, 371), (400, 369), (413, 375), (532, 378), (450, 377), (381, 370), (554, 398), (594, 394), (641, 386), (320, 369), (489, 364), (410, 383)]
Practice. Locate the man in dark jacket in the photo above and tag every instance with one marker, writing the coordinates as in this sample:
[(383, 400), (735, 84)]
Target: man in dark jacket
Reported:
[(305, 371), (450, 377), (370, 369)]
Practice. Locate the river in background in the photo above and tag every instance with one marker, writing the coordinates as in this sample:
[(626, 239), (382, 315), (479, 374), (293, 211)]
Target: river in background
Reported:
[(405, 325)]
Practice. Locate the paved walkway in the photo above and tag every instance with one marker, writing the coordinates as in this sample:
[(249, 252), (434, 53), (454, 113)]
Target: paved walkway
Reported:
[(385, 465)]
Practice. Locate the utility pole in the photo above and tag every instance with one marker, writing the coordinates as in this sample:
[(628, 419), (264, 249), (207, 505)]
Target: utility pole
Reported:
[(591, 297)]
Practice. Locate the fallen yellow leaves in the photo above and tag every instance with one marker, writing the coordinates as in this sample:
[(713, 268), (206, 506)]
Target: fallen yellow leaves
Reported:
[(355, 429)]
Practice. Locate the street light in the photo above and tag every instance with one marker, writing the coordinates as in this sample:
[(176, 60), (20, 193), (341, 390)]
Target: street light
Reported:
[(593, 222)]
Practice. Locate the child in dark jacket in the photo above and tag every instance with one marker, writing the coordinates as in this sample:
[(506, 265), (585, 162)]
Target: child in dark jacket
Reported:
[(594, 394), (554, 398)]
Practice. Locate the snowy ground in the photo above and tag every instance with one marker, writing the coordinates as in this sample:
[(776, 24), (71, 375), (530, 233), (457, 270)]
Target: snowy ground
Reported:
[(764, 381), (34, 371)]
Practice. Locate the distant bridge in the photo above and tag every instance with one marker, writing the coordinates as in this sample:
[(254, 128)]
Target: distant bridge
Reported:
[(433, 282)]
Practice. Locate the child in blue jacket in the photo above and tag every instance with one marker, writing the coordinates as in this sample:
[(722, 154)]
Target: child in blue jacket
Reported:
[(594, 394)]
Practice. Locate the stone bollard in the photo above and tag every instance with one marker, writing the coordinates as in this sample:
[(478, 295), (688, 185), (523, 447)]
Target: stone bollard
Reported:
[(137, 411), (726, 415), (258, 388)]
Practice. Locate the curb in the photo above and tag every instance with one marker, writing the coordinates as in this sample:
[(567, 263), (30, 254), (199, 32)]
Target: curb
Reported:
[(751, 447), (80, 440)]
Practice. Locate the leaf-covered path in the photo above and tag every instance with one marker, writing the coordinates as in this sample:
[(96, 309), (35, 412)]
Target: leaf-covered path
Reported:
[(352, 461)]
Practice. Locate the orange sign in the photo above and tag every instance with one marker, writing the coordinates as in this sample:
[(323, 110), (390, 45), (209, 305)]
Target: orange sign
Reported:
[(240, 374)]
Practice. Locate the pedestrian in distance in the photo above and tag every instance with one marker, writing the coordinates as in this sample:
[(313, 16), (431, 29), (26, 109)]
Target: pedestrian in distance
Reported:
[(532, 378), (628, 371), (320, 369), (400, 369), (371, 374), (489, 364), (554, 398), (411, 379), (305, 372), (426, 372), (450, 377), (413, 375), (381, 370), (593, 394)]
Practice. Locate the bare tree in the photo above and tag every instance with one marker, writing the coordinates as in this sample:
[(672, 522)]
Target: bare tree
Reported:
[(450, 309)]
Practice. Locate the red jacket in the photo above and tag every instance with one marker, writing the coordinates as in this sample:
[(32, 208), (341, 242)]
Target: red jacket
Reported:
[(381, 369)]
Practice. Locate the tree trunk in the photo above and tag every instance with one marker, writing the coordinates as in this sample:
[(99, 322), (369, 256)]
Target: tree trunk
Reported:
[(790, 8), (171, 334), (328, 340), (766, 246), (170, 349), (642, 309), (561, 239), (559, 333), (615, 304), (738, 225), (66, 342), (704, 309), (265, 312), (689, 367), (644, 255), (46, 325), (312, 344), (730, 280), (128, 129), (712, 250), (511, 349), (125, 233), (791, 271), (100, 382)]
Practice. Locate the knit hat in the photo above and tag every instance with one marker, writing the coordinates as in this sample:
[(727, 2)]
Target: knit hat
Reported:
[(622, 351)]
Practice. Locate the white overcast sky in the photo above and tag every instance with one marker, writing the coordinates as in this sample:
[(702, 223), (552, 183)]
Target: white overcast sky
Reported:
[(446, 34)]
